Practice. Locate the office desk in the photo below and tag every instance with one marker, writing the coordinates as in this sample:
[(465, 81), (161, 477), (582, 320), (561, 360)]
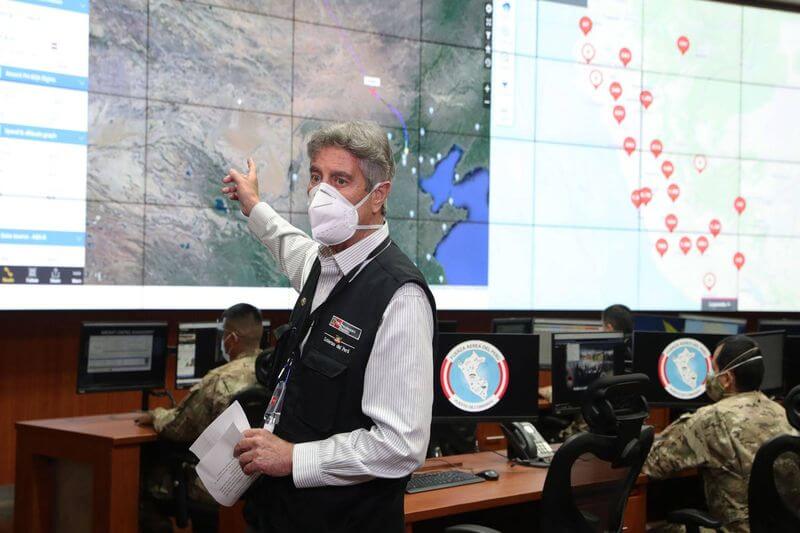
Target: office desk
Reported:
[(517, 485), (109, 444)]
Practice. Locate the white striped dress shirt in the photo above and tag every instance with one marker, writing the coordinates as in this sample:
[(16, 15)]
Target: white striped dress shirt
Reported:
[(398, 383)]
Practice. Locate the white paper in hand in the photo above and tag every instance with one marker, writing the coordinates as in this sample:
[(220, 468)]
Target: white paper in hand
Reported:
[(220, 471), (234, 414)]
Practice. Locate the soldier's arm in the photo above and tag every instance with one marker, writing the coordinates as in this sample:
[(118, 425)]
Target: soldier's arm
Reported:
[(190, 417), (672, 451)]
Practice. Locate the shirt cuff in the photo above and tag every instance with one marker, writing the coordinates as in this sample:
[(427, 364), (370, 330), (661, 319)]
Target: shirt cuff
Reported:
[(307, 465), (260, 216), (161, 417)]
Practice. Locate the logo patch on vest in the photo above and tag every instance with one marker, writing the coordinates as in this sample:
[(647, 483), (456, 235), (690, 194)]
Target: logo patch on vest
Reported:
[(337, 342), (345, 327)]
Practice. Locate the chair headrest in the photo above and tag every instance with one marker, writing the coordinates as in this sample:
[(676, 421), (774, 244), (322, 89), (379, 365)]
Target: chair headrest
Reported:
[(792, 405), (615, 405)]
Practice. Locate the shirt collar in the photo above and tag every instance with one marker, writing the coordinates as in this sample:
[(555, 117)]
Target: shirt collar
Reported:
[(353, 256)]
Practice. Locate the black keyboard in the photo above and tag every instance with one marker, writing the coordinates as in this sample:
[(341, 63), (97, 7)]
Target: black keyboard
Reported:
[(440, 480)]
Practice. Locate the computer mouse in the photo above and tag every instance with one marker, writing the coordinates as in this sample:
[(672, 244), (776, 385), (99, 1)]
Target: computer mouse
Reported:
[(489, 475)]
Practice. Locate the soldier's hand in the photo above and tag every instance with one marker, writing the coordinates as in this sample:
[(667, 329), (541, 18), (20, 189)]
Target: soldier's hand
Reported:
[(261, 451), (144, 419), (242, 187)]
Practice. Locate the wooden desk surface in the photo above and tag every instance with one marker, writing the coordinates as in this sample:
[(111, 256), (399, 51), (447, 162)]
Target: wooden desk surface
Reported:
[(120, 429), (517, 484)]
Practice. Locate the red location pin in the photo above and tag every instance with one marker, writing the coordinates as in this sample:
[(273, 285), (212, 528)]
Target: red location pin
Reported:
[(702, 244), (667, 169), (656, 147), (646, 194), (700, 163), (671, 222), (739, 204), (596, 78), (674, 191), (714, 227), (685, 244), (619, 113), (709, 280), (616, 90), (636, 198), (662, 246), (625, 56), (586, 25), (683, 44), (587, 52), (738, 260), (646, 98), (629, 145)]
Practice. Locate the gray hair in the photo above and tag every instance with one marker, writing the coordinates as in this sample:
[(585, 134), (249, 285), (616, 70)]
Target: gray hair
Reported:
[(365, 140)]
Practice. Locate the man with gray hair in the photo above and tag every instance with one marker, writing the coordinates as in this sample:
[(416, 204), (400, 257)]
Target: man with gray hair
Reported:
[(352, 378)]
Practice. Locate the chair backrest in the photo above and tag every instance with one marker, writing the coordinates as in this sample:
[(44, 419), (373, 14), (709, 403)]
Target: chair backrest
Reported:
[(253, 400), (615, 410), (769, 511)]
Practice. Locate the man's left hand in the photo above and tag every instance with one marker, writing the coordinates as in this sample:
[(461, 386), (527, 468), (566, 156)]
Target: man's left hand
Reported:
[(261, 451)]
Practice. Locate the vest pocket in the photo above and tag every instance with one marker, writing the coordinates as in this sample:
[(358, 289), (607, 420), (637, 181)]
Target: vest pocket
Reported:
[(323, 383)]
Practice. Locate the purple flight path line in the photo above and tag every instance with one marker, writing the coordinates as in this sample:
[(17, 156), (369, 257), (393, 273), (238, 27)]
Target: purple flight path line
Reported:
[(357, 60)]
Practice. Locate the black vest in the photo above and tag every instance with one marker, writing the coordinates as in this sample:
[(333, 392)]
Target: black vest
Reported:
[(324, 392)]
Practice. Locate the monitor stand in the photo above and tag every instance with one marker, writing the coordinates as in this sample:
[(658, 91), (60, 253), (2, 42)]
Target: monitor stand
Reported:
[(146, 393)]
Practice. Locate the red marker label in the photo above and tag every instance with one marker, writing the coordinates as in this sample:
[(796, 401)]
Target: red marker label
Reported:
[(646, 194), (636, 199), (709, 280), (625, 56), (616, 90), (686, 245), (673, 191), (739, 204), (738, 260), (656, 148), (702, 244), (629, 145), (671, 222), (586, 25), (683, 44), (667, 169), (700, 163), (619, 113), (646, 98), (662, 246), (596, 78), (587, 52), (714, 227)]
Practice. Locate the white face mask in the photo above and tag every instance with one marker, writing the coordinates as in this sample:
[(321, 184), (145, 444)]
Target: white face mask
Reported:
[(333, 218), (222, 350)]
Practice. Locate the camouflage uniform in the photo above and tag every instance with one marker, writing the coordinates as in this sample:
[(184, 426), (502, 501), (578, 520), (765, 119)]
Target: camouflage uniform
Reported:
[(206, 400), (721, 440)]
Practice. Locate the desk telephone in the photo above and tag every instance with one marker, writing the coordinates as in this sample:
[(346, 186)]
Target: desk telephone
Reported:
[(526, 445)]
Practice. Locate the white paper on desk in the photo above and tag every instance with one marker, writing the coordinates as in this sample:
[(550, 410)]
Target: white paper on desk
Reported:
[(220, 471), (234, 414)]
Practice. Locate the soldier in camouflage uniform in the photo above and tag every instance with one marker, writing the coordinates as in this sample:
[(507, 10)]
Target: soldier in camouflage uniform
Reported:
[(722, 439), (241, 337)]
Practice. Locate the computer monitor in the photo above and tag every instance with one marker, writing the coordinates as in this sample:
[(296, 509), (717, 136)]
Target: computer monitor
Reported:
[(713, 324), (122, 356), (199, 350), (512, 325), (546, 327), (677, 365), (578, 360), (771, 344), (791, 327), (669, 324), (483, 377), (448, 326)]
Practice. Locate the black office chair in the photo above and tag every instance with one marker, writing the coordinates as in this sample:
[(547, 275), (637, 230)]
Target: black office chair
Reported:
[(768, 510), (253, 400), (615, 410)]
